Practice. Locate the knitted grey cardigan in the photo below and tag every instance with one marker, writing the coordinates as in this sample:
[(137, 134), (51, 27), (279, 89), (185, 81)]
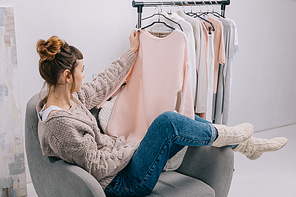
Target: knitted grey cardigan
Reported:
[(73, 135)]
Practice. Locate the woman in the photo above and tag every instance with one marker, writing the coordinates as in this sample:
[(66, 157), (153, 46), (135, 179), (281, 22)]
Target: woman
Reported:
[(69, 131)]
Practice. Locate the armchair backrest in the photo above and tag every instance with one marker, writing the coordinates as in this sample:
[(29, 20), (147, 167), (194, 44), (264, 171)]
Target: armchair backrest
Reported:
[(52, 176)]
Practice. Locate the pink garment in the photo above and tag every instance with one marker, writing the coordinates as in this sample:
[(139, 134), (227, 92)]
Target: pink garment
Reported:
[(219, 48), (159, 74)]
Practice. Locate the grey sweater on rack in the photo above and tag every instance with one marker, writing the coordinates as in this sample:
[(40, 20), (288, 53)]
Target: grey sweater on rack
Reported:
[(73, 135)]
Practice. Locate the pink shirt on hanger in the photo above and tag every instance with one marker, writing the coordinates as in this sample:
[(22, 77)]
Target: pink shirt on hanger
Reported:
[(159, 75), (219, 48)]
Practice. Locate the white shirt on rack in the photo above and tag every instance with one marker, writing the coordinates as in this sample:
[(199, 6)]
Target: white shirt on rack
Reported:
[(201, 63)]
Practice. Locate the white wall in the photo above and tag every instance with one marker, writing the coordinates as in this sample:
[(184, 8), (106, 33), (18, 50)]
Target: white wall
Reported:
[(264, 70), (264, 74), (99, 32), (100, 29)]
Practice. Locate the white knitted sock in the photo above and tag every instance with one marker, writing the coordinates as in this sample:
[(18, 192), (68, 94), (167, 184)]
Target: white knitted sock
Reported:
[(232, 135), (253, 148)]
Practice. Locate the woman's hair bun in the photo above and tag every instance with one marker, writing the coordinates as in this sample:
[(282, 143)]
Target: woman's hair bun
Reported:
[(47, 50)]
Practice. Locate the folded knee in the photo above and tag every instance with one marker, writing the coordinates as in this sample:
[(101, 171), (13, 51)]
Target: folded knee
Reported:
[(167, 116)]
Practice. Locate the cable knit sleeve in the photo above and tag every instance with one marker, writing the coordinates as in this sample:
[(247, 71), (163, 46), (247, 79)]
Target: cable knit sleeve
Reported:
[(93, 93), (75, 143)]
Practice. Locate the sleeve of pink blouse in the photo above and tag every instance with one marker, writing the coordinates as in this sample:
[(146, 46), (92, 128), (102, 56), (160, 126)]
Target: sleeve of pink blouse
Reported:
[(186, 105), (222, 47)]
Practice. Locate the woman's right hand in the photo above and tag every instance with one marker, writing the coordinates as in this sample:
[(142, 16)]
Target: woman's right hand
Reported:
[(134, 40)]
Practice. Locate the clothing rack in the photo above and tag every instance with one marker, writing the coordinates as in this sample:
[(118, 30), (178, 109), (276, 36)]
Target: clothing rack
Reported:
[(140, 5)]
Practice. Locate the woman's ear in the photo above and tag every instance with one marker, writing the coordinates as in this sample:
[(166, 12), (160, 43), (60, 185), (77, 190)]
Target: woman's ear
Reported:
[(67, 76)]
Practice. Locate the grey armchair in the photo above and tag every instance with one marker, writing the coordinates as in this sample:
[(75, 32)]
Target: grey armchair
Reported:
[(205, 171)]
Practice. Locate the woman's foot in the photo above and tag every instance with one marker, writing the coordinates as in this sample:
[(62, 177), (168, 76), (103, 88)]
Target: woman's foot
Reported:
[(253, 148), (232, 135)]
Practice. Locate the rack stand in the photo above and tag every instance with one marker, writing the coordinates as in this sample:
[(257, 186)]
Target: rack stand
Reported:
[(140, 5)]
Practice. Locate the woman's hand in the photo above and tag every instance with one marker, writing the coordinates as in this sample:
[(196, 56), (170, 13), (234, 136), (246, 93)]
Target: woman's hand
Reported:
[(134, 40)]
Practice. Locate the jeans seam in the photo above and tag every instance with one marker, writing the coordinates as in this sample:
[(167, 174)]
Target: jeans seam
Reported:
[(149, 171), (201, 143), (111, 190), (178, 136), (155, 162)]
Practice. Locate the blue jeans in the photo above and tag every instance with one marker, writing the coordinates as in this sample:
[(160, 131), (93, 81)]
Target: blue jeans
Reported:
[(167, 135)]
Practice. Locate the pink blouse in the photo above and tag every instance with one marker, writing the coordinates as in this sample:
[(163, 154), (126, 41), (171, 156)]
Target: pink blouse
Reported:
[(159, 82)]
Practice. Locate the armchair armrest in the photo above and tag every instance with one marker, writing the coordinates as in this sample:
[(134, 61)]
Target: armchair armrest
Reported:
[(211, 165), (72, 180)]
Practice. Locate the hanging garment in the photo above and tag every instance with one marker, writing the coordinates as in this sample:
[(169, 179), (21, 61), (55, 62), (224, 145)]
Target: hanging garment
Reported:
[(224, 84), (175, 162), (219, 58), (210, 69), (219, 96), (159, 75), (205, 32), (201, 65), (188, 31), (228, 80), (219, 48)]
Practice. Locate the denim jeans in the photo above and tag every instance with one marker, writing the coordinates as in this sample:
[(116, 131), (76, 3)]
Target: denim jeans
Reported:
[(167, 135)]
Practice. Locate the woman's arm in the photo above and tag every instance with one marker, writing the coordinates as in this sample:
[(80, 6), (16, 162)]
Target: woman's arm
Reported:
[(93, 93), (76, 144)]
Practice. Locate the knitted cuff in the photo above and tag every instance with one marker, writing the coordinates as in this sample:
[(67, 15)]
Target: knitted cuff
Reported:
[(214, 134)]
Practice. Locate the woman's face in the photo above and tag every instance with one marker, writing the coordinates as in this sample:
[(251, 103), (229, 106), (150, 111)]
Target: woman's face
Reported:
[(78, 75)]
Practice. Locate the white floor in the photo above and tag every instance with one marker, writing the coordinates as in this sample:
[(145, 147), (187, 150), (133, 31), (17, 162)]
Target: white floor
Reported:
[(272, 175)]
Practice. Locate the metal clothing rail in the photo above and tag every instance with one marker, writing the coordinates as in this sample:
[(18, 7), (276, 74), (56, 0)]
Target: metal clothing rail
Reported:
[(140, 5)]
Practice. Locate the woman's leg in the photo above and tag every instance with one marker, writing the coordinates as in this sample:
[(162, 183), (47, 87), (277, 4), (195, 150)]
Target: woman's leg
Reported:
[(197, 118), (168, 134), (253, 148), (176, 148)]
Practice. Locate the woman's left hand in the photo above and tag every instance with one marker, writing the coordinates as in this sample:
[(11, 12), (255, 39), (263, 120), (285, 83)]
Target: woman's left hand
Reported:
[(134, 40)]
